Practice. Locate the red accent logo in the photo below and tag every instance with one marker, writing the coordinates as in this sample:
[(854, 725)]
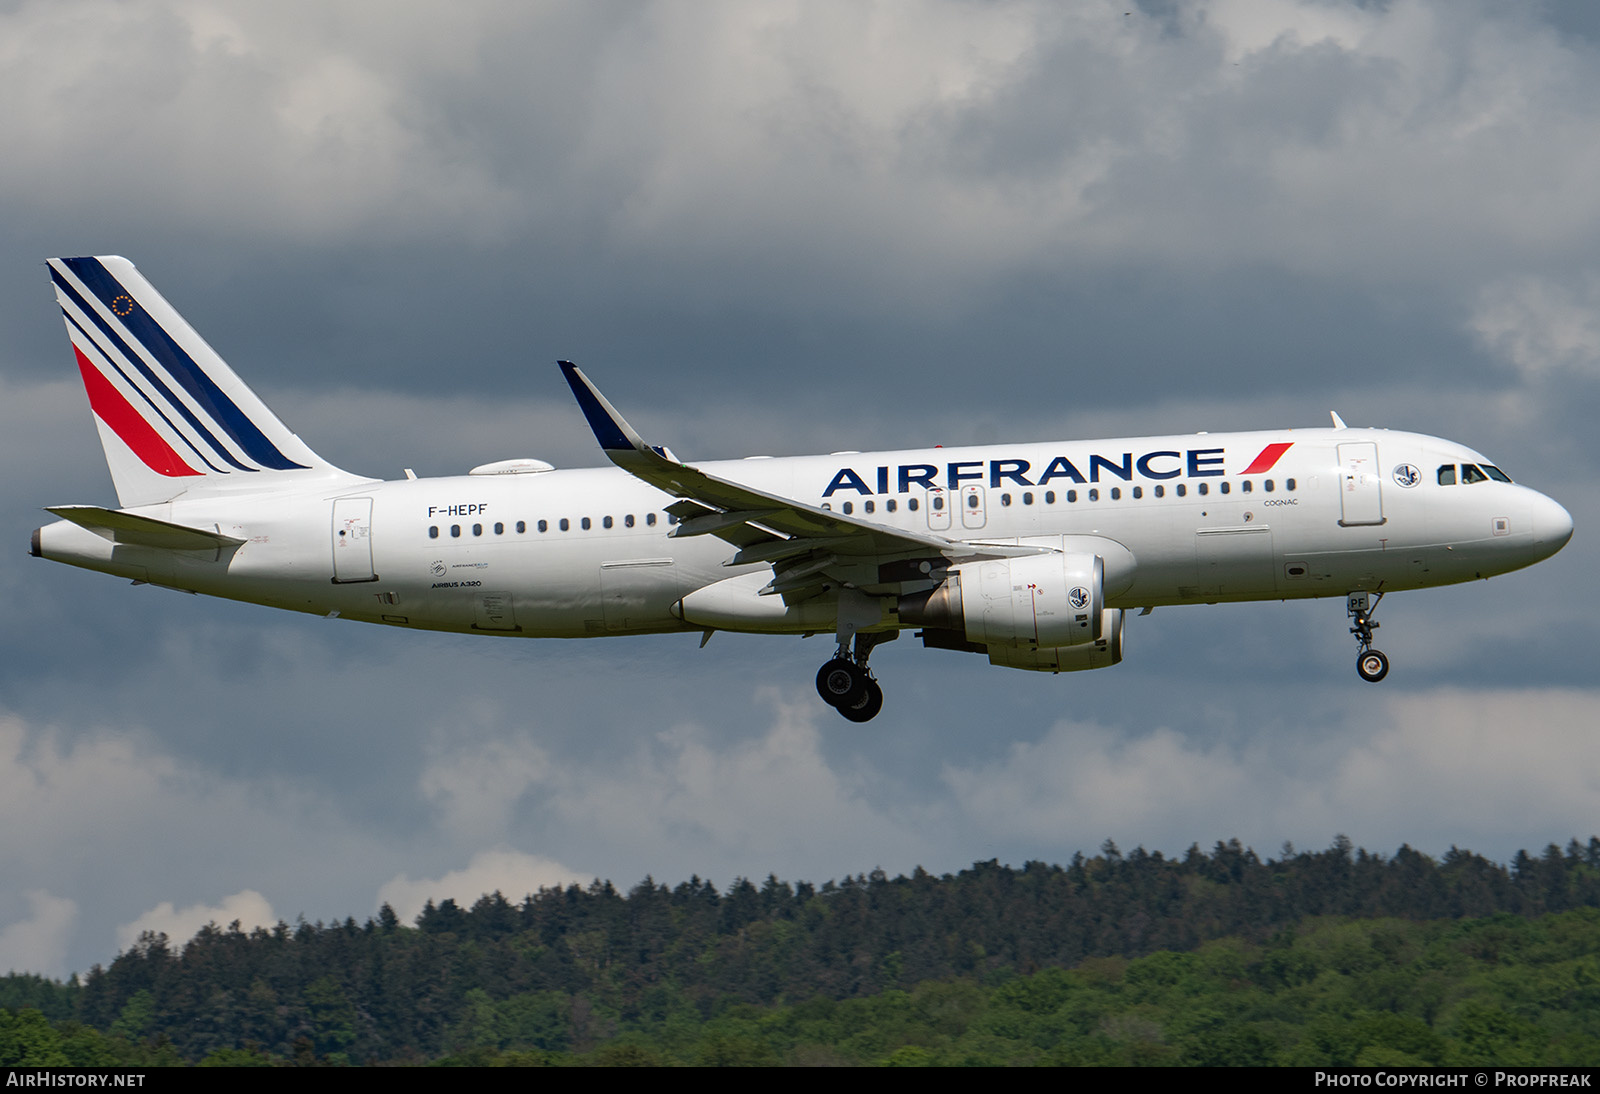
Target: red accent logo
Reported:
[(1269, 456)]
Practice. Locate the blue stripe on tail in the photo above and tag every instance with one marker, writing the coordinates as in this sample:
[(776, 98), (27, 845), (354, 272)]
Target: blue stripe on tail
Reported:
[(119, 346), (112, 361), (180, 365)]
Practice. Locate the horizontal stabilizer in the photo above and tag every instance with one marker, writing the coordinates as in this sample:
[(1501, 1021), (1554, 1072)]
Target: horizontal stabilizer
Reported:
[(120, 527)]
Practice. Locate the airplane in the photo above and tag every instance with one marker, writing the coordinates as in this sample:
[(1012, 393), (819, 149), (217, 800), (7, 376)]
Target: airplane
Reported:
[(1029, 554)]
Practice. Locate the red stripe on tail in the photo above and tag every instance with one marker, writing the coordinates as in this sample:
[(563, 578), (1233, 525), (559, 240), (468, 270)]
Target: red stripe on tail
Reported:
[(110, 407), (1269, 456)]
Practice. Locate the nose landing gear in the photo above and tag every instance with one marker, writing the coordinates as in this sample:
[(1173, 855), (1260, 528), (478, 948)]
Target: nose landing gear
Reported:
[(846, 684), (1371, 664)]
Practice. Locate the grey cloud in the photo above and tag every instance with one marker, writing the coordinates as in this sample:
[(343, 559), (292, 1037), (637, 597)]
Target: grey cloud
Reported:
[(248, 908), (1452, 766), (510, 873), (39, 944)]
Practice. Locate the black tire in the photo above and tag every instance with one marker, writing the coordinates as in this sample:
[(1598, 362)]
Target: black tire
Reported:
[(841, 683), (867, 708), (1373, 666)]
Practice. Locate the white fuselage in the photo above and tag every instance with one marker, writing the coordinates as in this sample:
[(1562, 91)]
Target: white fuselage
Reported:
[(575, 553)]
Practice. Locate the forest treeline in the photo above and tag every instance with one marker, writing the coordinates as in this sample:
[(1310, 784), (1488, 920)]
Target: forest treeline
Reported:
[(785, 973)]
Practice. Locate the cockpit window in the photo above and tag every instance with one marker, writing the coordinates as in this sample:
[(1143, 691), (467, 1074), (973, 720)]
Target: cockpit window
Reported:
[(1470, 473), (1447, 475), (1495, 473)]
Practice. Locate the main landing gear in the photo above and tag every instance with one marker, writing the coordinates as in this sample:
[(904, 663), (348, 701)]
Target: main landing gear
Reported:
[(1370, 663), (846, 684)]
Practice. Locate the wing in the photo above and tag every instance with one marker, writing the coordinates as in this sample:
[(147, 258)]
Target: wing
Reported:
[(806, 546)]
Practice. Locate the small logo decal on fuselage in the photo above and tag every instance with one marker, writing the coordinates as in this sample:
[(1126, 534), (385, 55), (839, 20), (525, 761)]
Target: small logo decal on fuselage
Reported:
[(1406, 475)]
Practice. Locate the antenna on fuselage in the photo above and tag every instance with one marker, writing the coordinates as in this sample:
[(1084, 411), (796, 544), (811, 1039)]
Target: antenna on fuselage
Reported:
[(1338, 422)]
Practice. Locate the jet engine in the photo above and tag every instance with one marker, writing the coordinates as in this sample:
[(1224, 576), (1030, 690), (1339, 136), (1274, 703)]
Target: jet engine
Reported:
[(1043, 612), (1034, 601)]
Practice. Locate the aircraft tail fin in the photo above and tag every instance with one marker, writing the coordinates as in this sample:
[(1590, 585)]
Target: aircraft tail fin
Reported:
[(173, 417)]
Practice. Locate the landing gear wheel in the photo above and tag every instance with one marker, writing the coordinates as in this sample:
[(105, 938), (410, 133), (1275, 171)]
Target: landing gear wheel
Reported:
[(1360, 606), (867, 708), (842, 683), (846, 684), (1372, 665)]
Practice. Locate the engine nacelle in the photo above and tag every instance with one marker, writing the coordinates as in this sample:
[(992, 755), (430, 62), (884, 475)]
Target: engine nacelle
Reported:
[(1105, 651), (1037, 600), (1041, 601), (1045, 613)]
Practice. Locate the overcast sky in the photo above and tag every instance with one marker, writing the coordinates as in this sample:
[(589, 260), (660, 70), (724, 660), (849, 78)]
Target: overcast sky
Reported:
[(786, 228)]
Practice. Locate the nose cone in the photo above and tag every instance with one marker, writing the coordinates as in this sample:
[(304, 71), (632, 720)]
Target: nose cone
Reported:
[(1552, 525)]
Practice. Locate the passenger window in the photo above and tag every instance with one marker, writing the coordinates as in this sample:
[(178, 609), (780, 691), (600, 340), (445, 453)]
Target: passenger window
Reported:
[(1205, 488), (1182, 490), (605, 522), (1027, 497), (1049, 497), (522, 526), (891, 505), (972, 501), (1470, 473), (938, 502), (1246, 486), (1094, 495), (1223, 486), (566, 525), (650, 519), (848, 507), (1005, 501), (1288, 484), (911, 504), (1072, 496), (587, 524), (455, 531), (1138, 492), (867, 507), (544, 526), (477, 529), (1161, 491), (499, 529), (1267, 486), (1116, 493), (627, 521), (433, 532)]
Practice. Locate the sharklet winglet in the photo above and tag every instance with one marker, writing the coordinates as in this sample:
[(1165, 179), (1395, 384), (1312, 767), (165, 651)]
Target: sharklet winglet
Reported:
[(610, 428)]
